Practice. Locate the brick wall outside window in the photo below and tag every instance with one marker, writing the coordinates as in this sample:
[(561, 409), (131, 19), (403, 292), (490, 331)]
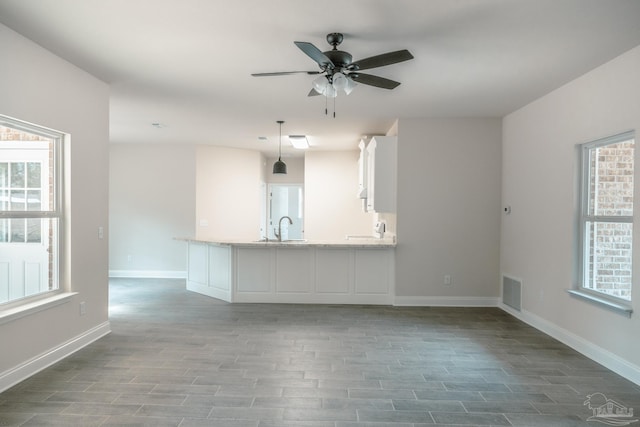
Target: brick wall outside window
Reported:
[(609, 260)]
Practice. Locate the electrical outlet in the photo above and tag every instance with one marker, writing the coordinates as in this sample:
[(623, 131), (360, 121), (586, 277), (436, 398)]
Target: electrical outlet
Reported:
[(83, 308), (447, 279), (100, 232)]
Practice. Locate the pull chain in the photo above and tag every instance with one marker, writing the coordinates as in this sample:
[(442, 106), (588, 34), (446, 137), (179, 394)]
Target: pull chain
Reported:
[(326, 106)]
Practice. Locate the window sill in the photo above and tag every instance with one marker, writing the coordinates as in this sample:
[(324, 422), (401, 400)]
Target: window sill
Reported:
[(619, 307), (14, 313)]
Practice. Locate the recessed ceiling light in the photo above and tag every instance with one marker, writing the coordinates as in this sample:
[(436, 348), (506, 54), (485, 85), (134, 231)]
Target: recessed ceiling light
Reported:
[(262, 138), (158, 125), (299, 141)]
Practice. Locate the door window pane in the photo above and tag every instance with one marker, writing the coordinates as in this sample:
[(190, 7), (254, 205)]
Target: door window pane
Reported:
[(34, 230), (17, 175), (33, 200), (18, 200), (33, 175), (4, 230), (17, 231), (4, 174)]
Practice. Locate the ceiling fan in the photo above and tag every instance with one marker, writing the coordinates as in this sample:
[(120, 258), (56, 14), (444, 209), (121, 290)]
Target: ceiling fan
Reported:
[(338, 71)]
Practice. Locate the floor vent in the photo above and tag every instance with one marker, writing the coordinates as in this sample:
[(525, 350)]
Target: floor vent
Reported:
[(512, 292)]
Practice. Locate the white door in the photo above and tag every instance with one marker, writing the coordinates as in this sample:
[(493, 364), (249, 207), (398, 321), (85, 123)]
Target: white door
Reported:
[(24, 243), (286, 200)]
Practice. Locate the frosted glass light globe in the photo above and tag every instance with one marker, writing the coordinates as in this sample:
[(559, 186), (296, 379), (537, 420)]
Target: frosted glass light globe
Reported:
[(320, 84), (330, 92), (339, 81)]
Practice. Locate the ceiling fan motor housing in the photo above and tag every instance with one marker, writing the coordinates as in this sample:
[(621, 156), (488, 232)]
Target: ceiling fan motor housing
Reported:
[(334, 39), (340, 58)]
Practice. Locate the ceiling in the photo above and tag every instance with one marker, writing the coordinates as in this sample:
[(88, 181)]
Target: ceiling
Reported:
[(187, 64)]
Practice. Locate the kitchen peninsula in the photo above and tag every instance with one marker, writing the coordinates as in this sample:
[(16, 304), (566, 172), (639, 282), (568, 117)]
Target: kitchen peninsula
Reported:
[(350, 271)]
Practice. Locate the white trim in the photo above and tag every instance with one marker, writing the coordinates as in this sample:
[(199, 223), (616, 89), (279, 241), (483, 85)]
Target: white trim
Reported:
[(312, 298), (603, 301), (419, 301), (23, 371), (149, 274), (209, 291), (585, 185), (581, 345), (29, 308)]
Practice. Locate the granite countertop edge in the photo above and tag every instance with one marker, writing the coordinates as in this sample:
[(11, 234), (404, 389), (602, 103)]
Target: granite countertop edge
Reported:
[(361, 242)]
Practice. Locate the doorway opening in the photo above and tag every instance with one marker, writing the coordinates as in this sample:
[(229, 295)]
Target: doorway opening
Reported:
[(285, 200)]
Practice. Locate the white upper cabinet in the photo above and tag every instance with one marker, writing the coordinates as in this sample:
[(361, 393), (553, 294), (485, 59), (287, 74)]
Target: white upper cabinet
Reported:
[(362, 170), (378, 173)]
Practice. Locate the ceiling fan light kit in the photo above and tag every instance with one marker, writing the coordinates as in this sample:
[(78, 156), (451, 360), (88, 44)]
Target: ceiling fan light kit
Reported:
[(339, 73)]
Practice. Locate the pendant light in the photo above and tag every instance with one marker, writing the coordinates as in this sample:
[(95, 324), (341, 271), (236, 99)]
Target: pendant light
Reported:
[(280, 167)]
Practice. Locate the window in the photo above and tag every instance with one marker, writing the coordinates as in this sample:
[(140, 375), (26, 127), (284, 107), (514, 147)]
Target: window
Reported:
[(606, 217), (30, 210)]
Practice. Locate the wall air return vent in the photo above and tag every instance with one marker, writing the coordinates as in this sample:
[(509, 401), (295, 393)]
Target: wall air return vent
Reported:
[(512, 292)]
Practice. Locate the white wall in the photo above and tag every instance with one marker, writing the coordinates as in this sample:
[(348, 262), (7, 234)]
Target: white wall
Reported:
[(152, 200), (228, 193), (539, 177), (332, 209), (222, 187), (39, 87), (294, 175), (448, 216)]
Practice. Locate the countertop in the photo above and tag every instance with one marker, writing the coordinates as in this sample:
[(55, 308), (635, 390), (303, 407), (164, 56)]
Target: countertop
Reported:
[(352, 242)]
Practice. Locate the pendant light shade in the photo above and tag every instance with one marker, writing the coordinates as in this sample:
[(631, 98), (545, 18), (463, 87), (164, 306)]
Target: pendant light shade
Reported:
[(280, 167)]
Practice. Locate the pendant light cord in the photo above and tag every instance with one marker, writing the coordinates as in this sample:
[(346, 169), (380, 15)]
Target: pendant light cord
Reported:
[(280, 141)]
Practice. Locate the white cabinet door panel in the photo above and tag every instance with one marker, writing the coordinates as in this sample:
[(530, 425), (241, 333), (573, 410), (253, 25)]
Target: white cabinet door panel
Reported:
[(254, 270), (373, 269), (293, 270), (198, 270), (333, 271), (220, 267)]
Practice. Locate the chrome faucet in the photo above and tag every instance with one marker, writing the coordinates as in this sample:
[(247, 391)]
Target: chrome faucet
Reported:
[(279, 232)]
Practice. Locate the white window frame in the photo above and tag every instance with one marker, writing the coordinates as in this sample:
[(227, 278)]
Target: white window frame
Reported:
[(21, 306), (584, 218)]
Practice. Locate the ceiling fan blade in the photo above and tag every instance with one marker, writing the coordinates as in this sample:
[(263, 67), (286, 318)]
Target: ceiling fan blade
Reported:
[(368, 79), (285, 73), (315, 54), (381, 60), (314, 93)]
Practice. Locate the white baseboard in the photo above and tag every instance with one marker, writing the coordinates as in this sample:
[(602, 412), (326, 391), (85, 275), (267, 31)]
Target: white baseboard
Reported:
[(312, 298), (416, 301), (221, 294), (23, 371), (598, 354), (149, 274)]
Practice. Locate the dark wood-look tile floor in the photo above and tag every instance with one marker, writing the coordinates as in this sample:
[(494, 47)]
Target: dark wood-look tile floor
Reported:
[(176, 358)]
